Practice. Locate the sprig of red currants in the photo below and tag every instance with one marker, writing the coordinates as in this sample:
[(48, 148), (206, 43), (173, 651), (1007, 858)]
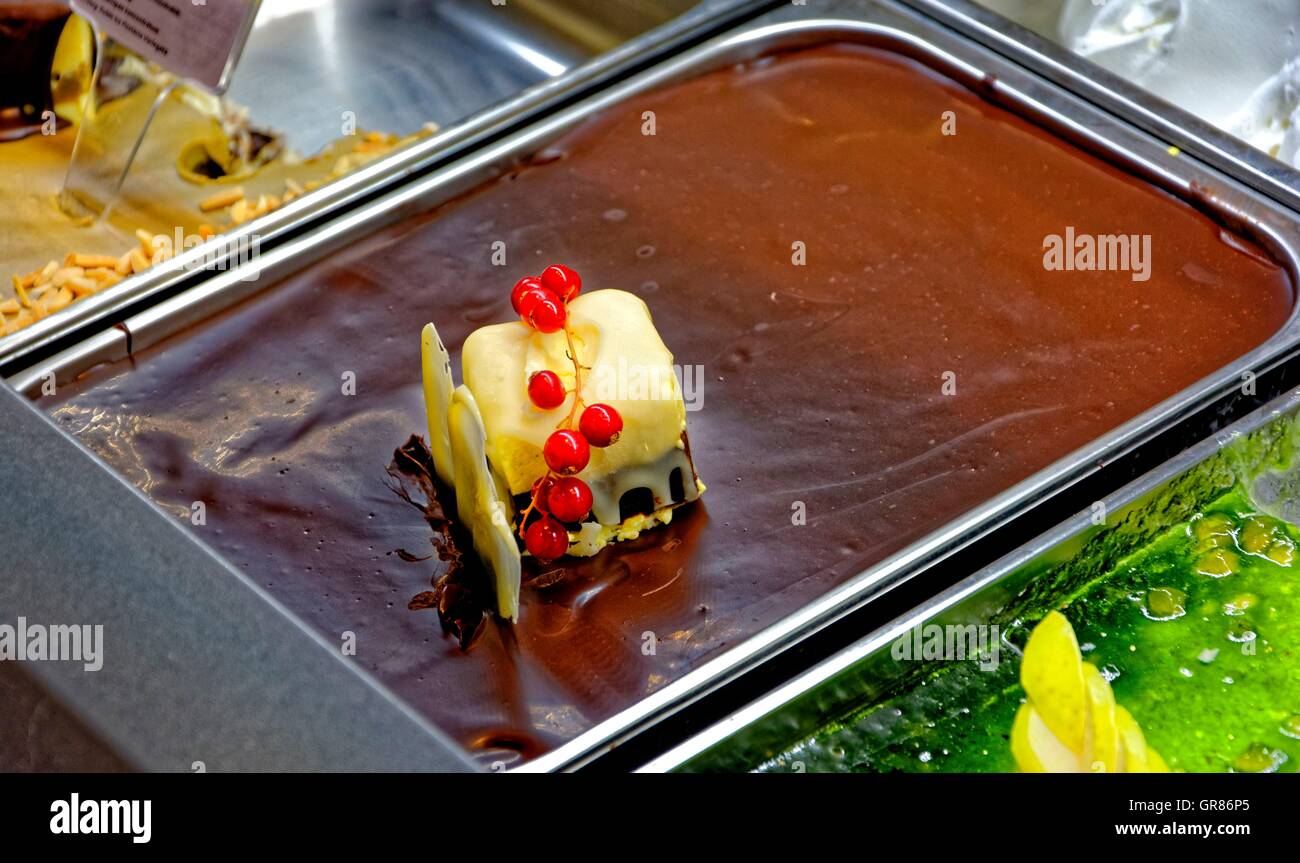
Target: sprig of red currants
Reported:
[(542, 303)]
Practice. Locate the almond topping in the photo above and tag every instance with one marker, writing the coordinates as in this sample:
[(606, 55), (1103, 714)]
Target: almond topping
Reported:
[(82, 287), (88, 262), (221, 200)]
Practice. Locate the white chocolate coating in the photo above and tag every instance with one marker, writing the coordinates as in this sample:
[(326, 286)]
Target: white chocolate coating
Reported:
[(486, 436), (628, 368)]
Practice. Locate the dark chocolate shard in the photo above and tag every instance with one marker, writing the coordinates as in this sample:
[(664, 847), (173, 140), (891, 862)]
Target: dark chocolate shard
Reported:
[(462, 592)]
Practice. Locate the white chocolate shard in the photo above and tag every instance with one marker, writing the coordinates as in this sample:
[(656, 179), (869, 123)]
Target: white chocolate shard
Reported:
[(436, 365), (478, 504)]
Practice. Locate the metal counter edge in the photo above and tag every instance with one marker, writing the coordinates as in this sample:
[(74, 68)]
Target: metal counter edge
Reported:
[(201, 668)]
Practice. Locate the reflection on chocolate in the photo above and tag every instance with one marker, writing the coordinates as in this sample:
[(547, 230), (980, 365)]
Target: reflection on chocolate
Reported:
[(821, 383)]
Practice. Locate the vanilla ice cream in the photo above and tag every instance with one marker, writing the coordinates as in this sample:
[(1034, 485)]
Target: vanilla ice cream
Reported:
[(1233, 63)]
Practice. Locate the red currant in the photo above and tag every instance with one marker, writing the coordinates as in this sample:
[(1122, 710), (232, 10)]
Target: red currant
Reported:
[(566, 283), (600, 425), (566, 451), (516, 295), (529, 297), (541, 491), (546, 539), (569, 499), (547, 315), (546, 390)]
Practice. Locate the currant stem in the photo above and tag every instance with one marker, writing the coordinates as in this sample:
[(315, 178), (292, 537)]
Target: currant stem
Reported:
[(566, 423), (572, 354), (532, 503)]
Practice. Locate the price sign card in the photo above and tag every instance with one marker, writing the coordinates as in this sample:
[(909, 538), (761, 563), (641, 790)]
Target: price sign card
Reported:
[(195, 39)]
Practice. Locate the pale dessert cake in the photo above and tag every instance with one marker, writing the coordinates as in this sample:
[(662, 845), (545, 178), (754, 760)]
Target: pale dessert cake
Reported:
[(569, 432)]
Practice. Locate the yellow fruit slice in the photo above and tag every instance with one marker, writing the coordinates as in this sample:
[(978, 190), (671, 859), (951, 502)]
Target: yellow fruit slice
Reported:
[(1140, 757), (1027, 760), (72, 69), (1036, 749), (1105, 744), (1071, 722), (1132, 741), (1052, 675)]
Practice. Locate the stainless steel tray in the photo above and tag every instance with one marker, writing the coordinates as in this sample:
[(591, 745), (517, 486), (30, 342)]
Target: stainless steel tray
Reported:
[(475, 67), (887, 23), (1139, 106), (858, 676)]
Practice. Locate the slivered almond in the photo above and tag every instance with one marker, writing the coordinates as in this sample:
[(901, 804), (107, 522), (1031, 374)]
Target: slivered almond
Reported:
[(87, 262), (61, 300), (9, 307), (82, 287), (206, 231), (139, 263), (241, 212), (123, 265), (146, 240), (22, 295), (46, 273), (64, 273), (293, 186), (221, 200), (100, 274)]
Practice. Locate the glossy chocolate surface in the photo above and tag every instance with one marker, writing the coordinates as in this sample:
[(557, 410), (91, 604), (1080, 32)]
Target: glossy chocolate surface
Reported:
[(821, 385)]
